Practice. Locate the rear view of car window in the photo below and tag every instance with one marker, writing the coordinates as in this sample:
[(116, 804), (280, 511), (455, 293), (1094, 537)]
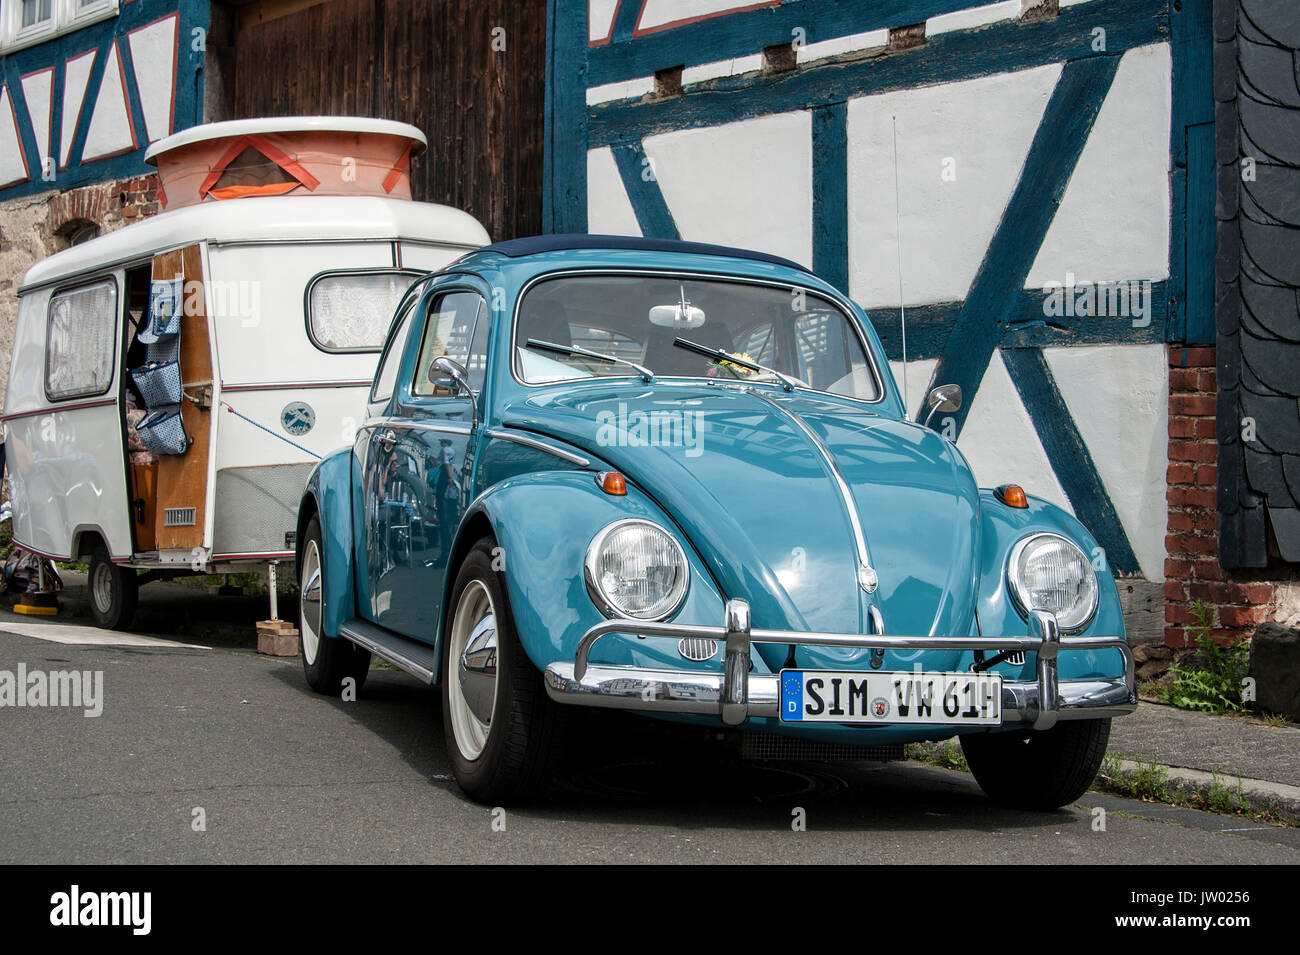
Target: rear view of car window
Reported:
[(351, 311), (82, 333)]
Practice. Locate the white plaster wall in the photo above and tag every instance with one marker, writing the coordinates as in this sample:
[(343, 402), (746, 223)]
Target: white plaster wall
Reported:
[(153, 55), (746, 184), (38, 90), (656, 13), (1118, 396), (76, 75), (919, 374), (608, 210), (12, 167), (1113, 221), (985, 126), (110, 130), (1000, 442), (973, 17), (840, 45), (600, 18)]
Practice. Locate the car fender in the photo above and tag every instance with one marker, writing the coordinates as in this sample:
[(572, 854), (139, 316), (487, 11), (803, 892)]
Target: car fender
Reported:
[(1002, 527), (543, 523), (328, 495)]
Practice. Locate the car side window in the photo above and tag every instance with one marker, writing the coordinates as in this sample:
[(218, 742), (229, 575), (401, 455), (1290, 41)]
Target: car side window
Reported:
[(449, 331), (386, 378)]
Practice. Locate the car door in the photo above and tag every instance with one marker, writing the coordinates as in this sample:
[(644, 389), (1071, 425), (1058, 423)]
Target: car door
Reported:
[(365, 459), (423, 464)]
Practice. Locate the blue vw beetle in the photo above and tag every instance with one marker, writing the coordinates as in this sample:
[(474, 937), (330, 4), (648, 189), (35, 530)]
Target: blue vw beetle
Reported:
[(678, 479)]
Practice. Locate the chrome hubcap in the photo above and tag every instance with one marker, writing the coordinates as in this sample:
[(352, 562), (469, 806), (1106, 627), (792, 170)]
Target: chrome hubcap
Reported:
[(310, 602), (472, 690)]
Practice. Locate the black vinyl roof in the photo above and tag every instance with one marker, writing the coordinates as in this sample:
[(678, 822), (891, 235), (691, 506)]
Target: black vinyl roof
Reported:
[(515, 248)]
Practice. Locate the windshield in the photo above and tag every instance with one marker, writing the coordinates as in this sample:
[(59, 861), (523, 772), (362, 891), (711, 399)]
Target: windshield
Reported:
[(640, 318)]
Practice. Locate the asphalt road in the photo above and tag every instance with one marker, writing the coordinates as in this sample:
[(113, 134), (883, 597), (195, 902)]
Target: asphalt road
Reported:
[(284, 775)]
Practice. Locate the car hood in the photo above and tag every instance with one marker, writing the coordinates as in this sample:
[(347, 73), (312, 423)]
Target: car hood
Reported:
[(757, 497)]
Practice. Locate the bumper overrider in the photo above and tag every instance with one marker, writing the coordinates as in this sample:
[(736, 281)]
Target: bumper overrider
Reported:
[(735, 694)]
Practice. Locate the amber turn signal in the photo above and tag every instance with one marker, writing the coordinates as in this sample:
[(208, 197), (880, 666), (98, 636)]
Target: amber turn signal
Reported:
[(1012, 495), (612, 482)]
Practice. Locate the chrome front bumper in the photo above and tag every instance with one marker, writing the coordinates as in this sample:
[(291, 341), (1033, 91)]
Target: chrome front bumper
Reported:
[(735, 694)]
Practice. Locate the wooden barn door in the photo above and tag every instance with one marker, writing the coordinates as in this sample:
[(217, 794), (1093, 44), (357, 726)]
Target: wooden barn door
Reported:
[(181, 510)]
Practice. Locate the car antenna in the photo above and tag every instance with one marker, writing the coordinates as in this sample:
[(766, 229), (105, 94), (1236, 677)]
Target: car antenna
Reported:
[(898, 228)]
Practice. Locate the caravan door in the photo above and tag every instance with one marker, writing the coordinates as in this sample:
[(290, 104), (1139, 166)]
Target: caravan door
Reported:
[(63, 421), (181, 503)]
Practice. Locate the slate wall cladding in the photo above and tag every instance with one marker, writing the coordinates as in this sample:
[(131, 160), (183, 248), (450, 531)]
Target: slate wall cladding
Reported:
[(1257, 129)]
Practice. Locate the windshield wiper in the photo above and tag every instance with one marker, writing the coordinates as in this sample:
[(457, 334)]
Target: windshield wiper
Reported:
[(645, 373), (788, 383)]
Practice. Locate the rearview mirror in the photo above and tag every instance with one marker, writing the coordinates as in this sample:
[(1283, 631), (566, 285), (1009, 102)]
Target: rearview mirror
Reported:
[(676, 316), (945, 398)]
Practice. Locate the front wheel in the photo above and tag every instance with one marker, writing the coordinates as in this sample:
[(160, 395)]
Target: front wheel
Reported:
[(502, 729), (326, 661), (1038, 770), (114, 591)]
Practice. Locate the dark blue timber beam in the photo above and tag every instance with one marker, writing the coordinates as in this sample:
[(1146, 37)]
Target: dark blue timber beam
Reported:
[(1069, 457), (947, 58), (637, 173), (564, 122), (1053, 154), (830, 188), (730, 35), (1023, 325)]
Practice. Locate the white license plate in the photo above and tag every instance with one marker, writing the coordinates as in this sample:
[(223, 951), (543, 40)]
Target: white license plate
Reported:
[(852, 696)]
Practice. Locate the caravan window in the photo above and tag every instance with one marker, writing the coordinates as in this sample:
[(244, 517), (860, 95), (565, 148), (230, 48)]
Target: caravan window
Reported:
[(351, 311), (80, 346)]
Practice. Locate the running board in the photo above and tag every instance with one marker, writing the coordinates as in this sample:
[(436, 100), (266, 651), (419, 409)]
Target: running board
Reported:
[(418, 659)]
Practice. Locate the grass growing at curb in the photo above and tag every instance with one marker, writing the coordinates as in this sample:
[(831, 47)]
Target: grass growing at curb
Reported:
[(1150, 783)]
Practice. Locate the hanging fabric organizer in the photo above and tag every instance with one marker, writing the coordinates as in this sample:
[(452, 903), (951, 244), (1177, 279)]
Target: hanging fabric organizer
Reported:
[(159, 379)]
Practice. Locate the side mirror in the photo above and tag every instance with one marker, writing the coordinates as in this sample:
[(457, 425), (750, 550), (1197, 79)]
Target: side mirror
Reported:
[(450, 368), (945, 398)]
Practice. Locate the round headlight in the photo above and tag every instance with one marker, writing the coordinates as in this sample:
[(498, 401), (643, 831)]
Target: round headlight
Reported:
[(1050, 573), (636, 569)]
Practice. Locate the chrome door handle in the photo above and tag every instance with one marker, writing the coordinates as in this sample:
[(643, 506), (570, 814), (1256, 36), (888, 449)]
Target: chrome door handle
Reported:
[(388, 440)]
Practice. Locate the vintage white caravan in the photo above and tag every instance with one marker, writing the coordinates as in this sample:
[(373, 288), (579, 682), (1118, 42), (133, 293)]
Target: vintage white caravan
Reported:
[(172, 383)]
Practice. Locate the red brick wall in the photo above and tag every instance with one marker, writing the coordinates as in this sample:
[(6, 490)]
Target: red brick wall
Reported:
[(1236, 601), (110, 205)]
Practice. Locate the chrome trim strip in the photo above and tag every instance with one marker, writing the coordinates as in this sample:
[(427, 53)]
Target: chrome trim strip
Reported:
[(286, 385), (388, 653), (406, 424), (531, 442), (866, 575)]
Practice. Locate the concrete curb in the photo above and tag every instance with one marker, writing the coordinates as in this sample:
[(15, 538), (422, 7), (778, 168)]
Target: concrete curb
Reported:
[(1257, 795)]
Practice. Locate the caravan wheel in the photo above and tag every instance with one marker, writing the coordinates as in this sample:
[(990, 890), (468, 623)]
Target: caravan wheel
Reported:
[(113, 592)]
